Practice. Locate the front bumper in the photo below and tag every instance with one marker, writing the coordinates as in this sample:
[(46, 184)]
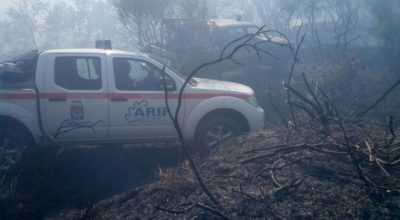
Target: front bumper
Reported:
[(256, 119)]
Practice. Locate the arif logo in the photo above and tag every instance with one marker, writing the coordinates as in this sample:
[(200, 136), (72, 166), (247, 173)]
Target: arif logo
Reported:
[(141, 111)]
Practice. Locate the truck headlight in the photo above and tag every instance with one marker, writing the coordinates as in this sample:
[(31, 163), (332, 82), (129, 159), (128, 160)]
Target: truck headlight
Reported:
[(252, 100)]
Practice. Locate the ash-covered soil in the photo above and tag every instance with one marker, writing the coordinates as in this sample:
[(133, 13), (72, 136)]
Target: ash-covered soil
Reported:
[(313, 172), (54, 179)]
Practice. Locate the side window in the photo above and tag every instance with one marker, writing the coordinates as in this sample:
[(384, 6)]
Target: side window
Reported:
[(139, 75), (78, 73)]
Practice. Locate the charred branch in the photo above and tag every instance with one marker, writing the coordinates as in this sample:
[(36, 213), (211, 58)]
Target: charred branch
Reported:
[(224, 55), (192, 206), (281, 116), (380, 99)]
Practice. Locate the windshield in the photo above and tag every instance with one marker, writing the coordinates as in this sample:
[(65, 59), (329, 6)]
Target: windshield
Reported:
[(192, 82), (172, 68)]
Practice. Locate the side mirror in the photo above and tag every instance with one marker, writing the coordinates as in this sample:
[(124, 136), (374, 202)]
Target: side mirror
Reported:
[(13, 75)]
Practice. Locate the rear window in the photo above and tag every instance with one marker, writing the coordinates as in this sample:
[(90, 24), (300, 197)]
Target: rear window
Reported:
[(78, 73)]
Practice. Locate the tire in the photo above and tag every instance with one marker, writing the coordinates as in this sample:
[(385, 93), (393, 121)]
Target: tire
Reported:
[(215, 130), (12, 145)]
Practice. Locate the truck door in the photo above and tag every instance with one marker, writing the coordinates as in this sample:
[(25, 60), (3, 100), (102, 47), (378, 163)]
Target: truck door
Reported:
[(137, 106), (75, 98)]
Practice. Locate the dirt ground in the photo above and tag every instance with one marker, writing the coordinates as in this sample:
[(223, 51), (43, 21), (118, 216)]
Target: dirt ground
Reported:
[(56, 179), (283, 173)]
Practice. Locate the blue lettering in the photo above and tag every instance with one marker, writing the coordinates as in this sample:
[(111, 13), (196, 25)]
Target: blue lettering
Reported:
[(150, 112), (139, 113)]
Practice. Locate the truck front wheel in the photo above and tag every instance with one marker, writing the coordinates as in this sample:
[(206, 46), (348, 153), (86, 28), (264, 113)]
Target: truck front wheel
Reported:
[(12, 145), (214, 130)]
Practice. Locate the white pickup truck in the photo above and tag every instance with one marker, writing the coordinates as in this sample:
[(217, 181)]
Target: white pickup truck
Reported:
[(98, 96)]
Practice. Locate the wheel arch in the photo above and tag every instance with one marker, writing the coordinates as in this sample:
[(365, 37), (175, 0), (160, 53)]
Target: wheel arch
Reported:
[(25, 119), (237, 116), (7, 121), (232, 106)]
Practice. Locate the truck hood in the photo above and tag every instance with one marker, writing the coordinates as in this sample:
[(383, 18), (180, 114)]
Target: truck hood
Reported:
[(211, 85)]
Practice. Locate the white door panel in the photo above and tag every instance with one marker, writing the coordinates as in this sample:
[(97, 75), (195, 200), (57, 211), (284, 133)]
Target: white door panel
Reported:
[(75, 100), (137, 106)]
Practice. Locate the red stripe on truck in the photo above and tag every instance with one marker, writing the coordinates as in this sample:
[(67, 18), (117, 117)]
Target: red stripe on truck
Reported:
[(17, 96), (22, 96)]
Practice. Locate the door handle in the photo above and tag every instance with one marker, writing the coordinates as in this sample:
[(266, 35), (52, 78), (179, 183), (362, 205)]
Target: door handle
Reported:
[(58, 99), (119, 99)]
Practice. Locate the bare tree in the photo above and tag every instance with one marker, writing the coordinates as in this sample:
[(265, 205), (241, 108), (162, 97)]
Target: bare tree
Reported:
[(143, 18), (344, 17), (327, 23), (228, 53), (25, 30), (193, 9)]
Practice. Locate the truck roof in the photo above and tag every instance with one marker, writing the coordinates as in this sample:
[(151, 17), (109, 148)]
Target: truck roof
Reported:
[(229, 23), (94, 51)]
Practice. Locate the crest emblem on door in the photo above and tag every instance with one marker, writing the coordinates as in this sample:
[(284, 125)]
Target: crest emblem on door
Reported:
[(77, 112)]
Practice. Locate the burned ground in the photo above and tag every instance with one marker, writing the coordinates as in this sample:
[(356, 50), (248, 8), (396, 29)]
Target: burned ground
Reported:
[(55, 179), (322, 165), (274, 174)]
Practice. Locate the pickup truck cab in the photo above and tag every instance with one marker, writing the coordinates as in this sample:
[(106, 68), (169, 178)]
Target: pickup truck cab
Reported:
[(97, 96)]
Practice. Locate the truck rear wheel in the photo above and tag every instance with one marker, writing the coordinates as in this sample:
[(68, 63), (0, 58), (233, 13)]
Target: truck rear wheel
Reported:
[(12, 145), (215, 130)]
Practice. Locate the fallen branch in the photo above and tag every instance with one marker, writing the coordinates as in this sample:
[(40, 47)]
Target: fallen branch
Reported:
[(192, 206), (290, 148), (172, 211), (293, 183), (273, 175), (281, 166), (382, 168), (265, 148), (389, 128)]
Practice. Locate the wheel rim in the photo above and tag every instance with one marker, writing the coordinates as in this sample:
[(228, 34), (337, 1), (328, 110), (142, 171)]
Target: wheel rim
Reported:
[(217, 135), (10, 153)]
